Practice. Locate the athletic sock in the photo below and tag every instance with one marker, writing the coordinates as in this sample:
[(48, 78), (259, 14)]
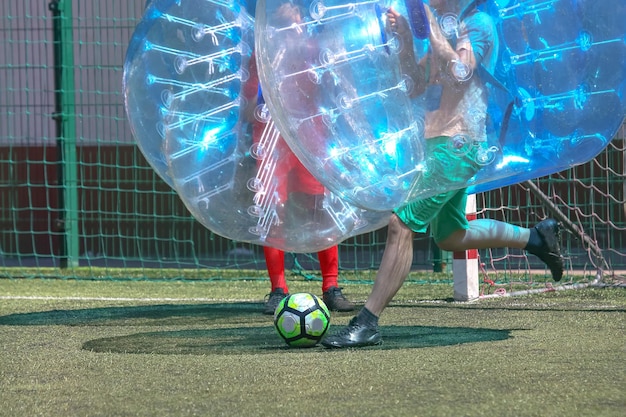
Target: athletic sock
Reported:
[(329, 265), (367, 318), (275, 261)]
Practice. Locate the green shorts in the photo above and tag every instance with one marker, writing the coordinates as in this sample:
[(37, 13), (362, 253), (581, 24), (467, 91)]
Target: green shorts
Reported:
[(444, 212)]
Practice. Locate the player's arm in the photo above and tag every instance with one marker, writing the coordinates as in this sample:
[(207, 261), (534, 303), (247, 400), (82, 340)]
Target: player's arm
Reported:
[(472, 43), (408, 63)]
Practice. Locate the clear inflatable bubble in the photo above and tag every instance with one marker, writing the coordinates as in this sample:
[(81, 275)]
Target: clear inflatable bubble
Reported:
[(389, 101), (193, 99), (146, 85), (336, 93)]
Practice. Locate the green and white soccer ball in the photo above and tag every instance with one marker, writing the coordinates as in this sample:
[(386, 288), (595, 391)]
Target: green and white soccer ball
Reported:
[(301, 319)]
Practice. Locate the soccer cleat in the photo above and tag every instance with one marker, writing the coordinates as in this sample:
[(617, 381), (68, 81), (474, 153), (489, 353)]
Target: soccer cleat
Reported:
[(273, 299), (550, 251), (353, 335), (336, 301)]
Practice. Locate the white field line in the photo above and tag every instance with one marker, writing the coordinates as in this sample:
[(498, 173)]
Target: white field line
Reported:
[(129, 299), (503, 293), (498, 294)]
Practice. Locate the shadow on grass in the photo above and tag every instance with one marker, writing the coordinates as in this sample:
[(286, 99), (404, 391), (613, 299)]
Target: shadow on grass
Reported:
[(255, 340), (166, 314), (226, 328)]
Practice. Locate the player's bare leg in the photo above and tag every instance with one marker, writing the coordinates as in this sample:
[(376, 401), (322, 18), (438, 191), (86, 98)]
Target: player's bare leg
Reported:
[(394, 268), (542, 240)]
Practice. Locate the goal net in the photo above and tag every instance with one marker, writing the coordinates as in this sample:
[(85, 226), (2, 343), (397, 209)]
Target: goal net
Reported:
[(125, 218)]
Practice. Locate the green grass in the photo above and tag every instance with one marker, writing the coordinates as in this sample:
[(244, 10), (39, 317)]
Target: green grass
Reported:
[(196, 347)]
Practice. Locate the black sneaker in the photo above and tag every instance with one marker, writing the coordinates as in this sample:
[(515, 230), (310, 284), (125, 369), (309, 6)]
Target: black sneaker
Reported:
[(550, 251), (273, 299), (353, 335), (336, 301)]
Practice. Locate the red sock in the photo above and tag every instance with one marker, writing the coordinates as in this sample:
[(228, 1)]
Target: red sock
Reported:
[(275, 261), (329, 264)]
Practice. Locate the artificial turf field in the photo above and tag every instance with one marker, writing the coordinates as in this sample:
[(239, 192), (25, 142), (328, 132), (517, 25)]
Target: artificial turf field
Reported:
[(202, 348)]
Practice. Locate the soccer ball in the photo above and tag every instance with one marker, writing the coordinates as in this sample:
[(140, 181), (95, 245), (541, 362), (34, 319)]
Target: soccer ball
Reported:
[(301, 319)]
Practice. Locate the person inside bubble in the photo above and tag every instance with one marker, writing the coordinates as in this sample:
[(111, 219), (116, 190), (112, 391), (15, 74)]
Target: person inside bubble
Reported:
[(299, 192), (456, 114)]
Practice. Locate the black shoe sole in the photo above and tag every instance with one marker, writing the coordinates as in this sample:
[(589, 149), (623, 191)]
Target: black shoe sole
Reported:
[(356, 345)]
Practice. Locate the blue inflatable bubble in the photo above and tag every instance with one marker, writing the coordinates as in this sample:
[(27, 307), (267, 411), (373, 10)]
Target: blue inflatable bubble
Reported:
[(194, 102), (386, 102), (564, 80)]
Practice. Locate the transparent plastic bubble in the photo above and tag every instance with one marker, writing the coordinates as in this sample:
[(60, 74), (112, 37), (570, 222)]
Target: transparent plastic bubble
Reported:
[(565, 67), (549, 94), (357, 96), (193, 101)]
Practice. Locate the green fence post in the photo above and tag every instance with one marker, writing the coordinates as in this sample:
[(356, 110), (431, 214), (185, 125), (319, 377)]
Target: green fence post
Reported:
[(66, 131)]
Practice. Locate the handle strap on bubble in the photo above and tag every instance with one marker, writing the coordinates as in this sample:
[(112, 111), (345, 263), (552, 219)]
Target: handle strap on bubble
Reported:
[(259, 97), (417, 18)]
